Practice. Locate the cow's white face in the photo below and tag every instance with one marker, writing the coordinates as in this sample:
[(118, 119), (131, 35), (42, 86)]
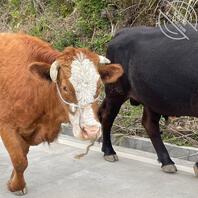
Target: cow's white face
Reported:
[(84, 79), (78, 74)]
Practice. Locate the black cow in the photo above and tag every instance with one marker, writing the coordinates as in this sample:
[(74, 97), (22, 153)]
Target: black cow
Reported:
[(161, 74)]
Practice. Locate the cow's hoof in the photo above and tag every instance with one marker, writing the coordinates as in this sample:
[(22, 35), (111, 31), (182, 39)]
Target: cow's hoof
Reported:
[(196, 169), (17, 192), (21, 192), (170, 168), (111, 158)]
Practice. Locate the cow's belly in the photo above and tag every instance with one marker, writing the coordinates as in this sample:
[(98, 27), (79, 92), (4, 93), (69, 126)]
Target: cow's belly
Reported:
[(168, 98)]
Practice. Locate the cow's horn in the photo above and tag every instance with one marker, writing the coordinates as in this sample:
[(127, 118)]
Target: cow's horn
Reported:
[(104, 60), (54, 71)]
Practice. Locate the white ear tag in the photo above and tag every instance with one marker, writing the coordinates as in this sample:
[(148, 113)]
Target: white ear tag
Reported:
[(54, 71)]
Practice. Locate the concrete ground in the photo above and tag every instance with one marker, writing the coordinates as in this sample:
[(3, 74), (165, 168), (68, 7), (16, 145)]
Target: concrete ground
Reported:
[(53, 172)]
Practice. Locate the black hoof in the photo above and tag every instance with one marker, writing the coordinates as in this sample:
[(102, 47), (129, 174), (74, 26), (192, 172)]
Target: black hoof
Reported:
[(111, 158), (170, 168)]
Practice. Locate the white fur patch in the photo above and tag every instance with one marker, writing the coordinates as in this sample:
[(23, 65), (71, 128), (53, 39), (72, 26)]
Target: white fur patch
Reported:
[(84, 78), (104, 60), (83, 118)]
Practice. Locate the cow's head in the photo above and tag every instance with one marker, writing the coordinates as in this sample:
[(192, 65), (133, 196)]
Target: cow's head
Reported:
[(78, 74)]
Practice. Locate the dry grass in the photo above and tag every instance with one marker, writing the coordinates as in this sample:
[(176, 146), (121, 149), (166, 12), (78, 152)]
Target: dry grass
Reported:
[(178, 130)]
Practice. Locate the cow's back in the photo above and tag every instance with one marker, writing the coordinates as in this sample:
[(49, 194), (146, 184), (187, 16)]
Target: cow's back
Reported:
[(162, 72)]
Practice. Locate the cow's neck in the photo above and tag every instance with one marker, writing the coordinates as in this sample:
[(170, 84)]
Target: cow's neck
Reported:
[(48, 56), (55, 107), (43, 52), (54, 115)]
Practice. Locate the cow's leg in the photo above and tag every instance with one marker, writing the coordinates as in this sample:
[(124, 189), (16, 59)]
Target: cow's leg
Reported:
[(196, 169), (150, 121), (107, 114), (17, 149)]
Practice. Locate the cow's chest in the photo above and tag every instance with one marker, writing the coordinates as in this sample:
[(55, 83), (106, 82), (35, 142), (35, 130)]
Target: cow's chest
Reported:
[(43, 130)]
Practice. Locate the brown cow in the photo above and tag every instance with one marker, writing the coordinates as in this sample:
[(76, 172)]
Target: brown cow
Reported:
[(40, 88)]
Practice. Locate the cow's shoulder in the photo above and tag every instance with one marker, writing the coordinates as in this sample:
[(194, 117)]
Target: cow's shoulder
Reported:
[(136, 30), (126, 40), (127, 37)]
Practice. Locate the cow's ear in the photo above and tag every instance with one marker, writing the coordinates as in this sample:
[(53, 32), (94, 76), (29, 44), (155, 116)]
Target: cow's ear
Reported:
[(41, 69), (110, 73)]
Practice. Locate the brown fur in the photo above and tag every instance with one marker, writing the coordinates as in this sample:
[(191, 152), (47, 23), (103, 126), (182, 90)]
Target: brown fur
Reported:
[(30, 110)]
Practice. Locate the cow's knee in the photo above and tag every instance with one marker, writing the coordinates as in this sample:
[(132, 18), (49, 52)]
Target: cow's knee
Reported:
[(20, 163)]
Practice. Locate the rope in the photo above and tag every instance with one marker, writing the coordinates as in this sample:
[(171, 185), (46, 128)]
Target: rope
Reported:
[(79, 156), (72, 105)]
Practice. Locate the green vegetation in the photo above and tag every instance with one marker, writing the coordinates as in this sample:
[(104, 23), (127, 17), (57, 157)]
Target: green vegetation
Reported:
[(81, 23), (91, 24), (61, 22)]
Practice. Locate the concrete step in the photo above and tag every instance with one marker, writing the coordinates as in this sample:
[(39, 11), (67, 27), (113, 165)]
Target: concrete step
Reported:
[(54, 172)]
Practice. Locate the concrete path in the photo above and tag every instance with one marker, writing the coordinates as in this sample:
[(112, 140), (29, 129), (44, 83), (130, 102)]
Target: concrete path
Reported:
[(54, 173)]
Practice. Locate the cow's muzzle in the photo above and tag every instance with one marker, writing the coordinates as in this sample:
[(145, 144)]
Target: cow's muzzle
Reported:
[(91, 132)]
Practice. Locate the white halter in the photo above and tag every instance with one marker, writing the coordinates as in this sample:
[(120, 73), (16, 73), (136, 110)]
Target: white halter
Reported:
[(54, 73), (72, 105)]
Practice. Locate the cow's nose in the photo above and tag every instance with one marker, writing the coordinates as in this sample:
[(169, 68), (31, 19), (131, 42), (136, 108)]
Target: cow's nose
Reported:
[(92, 131)]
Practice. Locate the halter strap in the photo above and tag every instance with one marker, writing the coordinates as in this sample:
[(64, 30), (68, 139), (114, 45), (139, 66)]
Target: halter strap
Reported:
[(73, 106)]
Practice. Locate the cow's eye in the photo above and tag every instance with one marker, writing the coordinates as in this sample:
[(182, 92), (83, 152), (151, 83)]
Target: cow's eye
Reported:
[(65, 88)]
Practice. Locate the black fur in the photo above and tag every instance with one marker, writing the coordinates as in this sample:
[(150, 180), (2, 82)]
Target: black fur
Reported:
[(160, 73)]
